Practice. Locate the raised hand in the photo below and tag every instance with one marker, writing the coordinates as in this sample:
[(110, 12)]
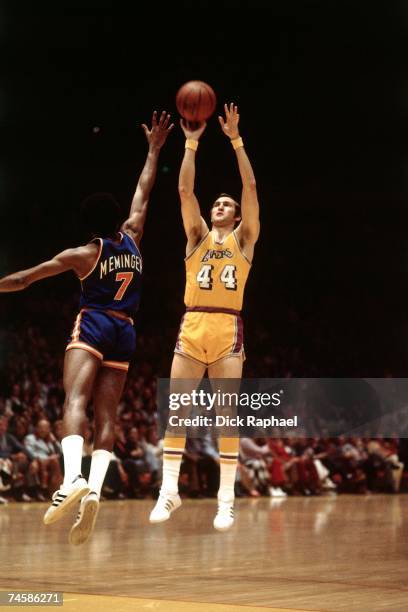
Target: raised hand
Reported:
[(156, 136), (192, 130), (230, 125)]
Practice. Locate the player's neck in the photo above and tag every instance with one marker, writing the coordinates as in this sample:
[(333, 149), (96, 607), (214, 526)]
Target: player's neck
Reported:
[(220, 233)]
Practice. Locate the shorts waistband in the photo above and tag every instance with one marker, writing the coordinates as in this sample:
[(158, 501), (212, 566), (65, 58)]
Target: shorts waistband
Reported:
[(117, 314), (236, 313)]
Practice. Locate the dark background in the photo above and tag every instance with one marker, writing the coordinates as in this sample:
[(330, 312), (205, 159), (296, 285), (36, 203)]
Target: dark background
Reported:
[(322, 89)]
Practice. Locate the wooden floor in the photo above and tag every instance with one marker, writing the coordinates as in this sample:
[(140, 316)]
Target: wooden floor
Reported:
[(319, 553)]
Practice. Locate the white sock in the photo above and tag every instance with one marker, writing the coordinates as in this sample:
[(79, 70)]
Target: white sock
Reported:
[(171, 471), (72, 450), (227, 481), (99, 466)]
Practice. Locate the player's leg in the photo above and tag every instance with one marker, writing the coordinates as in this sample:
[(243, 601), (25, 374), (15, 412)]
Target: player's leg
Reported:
[(80, 370), (107, 393), (185, 375), (229, 368), (108, 389)]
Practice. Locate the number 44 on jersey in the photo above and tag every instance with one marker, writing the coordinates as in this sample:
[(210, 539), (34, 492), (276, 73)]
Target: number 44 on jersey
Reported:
[(227, 277)]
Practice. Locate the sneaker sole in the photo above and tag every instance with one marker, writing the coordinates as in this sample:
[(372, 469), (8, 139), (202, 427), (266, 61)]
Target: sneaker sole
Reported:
[(80, 533), (223, 528), (65, 505)]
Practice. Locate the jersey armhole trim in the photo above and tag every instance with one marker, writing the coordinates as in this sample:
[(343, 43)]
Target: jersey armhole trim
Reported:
[(197, 246), (125, 233), (82, 278), (240, 249)]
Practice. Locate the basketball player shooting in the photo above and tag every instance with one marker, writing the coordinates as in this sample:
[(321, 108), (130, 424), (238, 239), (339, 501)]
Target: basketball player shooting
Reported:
[(103, 338), (211, 334)]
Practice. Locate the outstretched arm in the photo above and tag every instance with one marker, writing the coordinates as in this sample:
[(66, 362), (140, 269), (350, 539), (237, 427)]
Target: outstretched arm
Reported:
[(156, 137), (248, 230), (79, 260), (194, 225)]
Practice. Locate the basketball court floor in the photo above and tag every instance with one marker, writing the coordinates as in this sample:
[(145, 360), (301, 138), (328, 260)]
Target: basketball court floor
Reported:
[(318, 553)]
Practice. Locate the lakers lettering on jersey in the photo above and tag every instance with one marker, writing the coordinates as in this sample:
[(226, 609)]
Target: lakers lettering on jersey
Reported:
[(216, 275)]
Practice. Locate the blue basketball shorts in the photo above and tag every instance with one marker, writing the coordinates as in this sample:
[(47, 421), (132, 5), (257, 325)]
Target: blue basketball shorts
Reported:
[(110, 337)]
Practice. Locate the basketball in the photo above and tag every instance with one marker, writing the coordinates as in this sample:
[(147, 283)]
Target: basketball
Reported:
[(196, 101)]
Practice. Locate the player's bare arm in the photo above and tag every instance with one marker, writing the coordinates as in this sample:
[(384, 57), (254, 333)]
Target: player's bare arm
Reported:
[(156, 137), (80, 260), (248, 230), (194, 225)]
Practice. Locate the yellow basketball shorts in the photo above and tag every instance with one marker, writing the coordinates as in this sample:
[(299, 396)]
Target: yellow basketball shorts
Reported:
[(208, 337)]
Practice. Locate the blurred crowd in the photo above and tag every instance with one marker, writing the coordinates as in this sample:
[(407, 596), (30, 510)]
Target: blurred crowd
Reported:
[(31, 405)]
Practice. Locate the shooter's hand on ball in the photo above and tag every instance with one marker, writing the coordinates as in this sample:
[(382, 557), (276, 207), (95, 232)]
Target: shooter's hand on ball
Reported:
[(156, 136), (192, 134), (230, 125)]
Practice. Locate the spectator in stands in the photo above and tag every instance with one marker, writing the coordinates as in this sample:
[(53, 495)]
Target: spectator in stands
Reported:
[(323, 472), (201, 464), (281, 467), (19, 427), (355, 459), (18, 471), (14, 404), (382, 456), (154, 455), (133, 458), (253, 471), (58, 430), (53, 408), (308, 481), (44, 447)]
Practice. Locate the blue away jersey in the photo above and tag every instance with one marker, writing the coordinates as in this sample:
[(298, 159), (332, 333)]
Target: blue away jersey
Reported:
[(114, 283)]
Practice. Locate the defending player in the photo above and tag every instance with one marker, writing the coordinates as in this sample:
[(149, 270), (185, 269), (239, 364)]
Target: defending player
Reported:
[(211, 334), (103, 338)]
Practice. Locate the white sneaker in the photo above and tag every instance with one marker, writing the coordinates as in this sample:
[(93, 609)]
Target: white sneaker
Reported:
[(165, 505), (26, 498), (64, 498), (85, 520), (224, 518), (277, 492), (328, 484)]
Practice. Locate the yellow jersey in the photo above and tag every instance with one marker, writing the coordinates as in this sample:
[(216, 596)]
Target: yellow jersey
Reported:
[(216, 274)]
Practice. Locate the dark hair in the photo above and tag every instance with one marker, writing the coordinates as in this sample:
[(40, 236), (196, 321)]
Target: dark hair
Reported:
[(227, 195), (100, 213)]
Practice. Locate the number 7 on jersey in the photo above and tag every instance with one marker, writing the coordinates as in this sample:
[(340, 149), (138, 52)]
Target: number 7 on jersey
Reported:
[(126, 279)]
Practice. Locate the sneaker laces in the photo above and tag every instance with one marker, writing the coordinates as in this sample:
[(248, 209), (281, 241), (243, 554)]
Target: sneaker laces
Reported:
[(226, 508), (55, 494)]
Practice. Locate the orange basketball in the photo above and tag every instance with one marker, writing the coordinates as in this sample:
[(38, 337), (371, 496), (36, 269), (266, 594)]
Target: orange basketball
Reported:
[(196, 101)]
